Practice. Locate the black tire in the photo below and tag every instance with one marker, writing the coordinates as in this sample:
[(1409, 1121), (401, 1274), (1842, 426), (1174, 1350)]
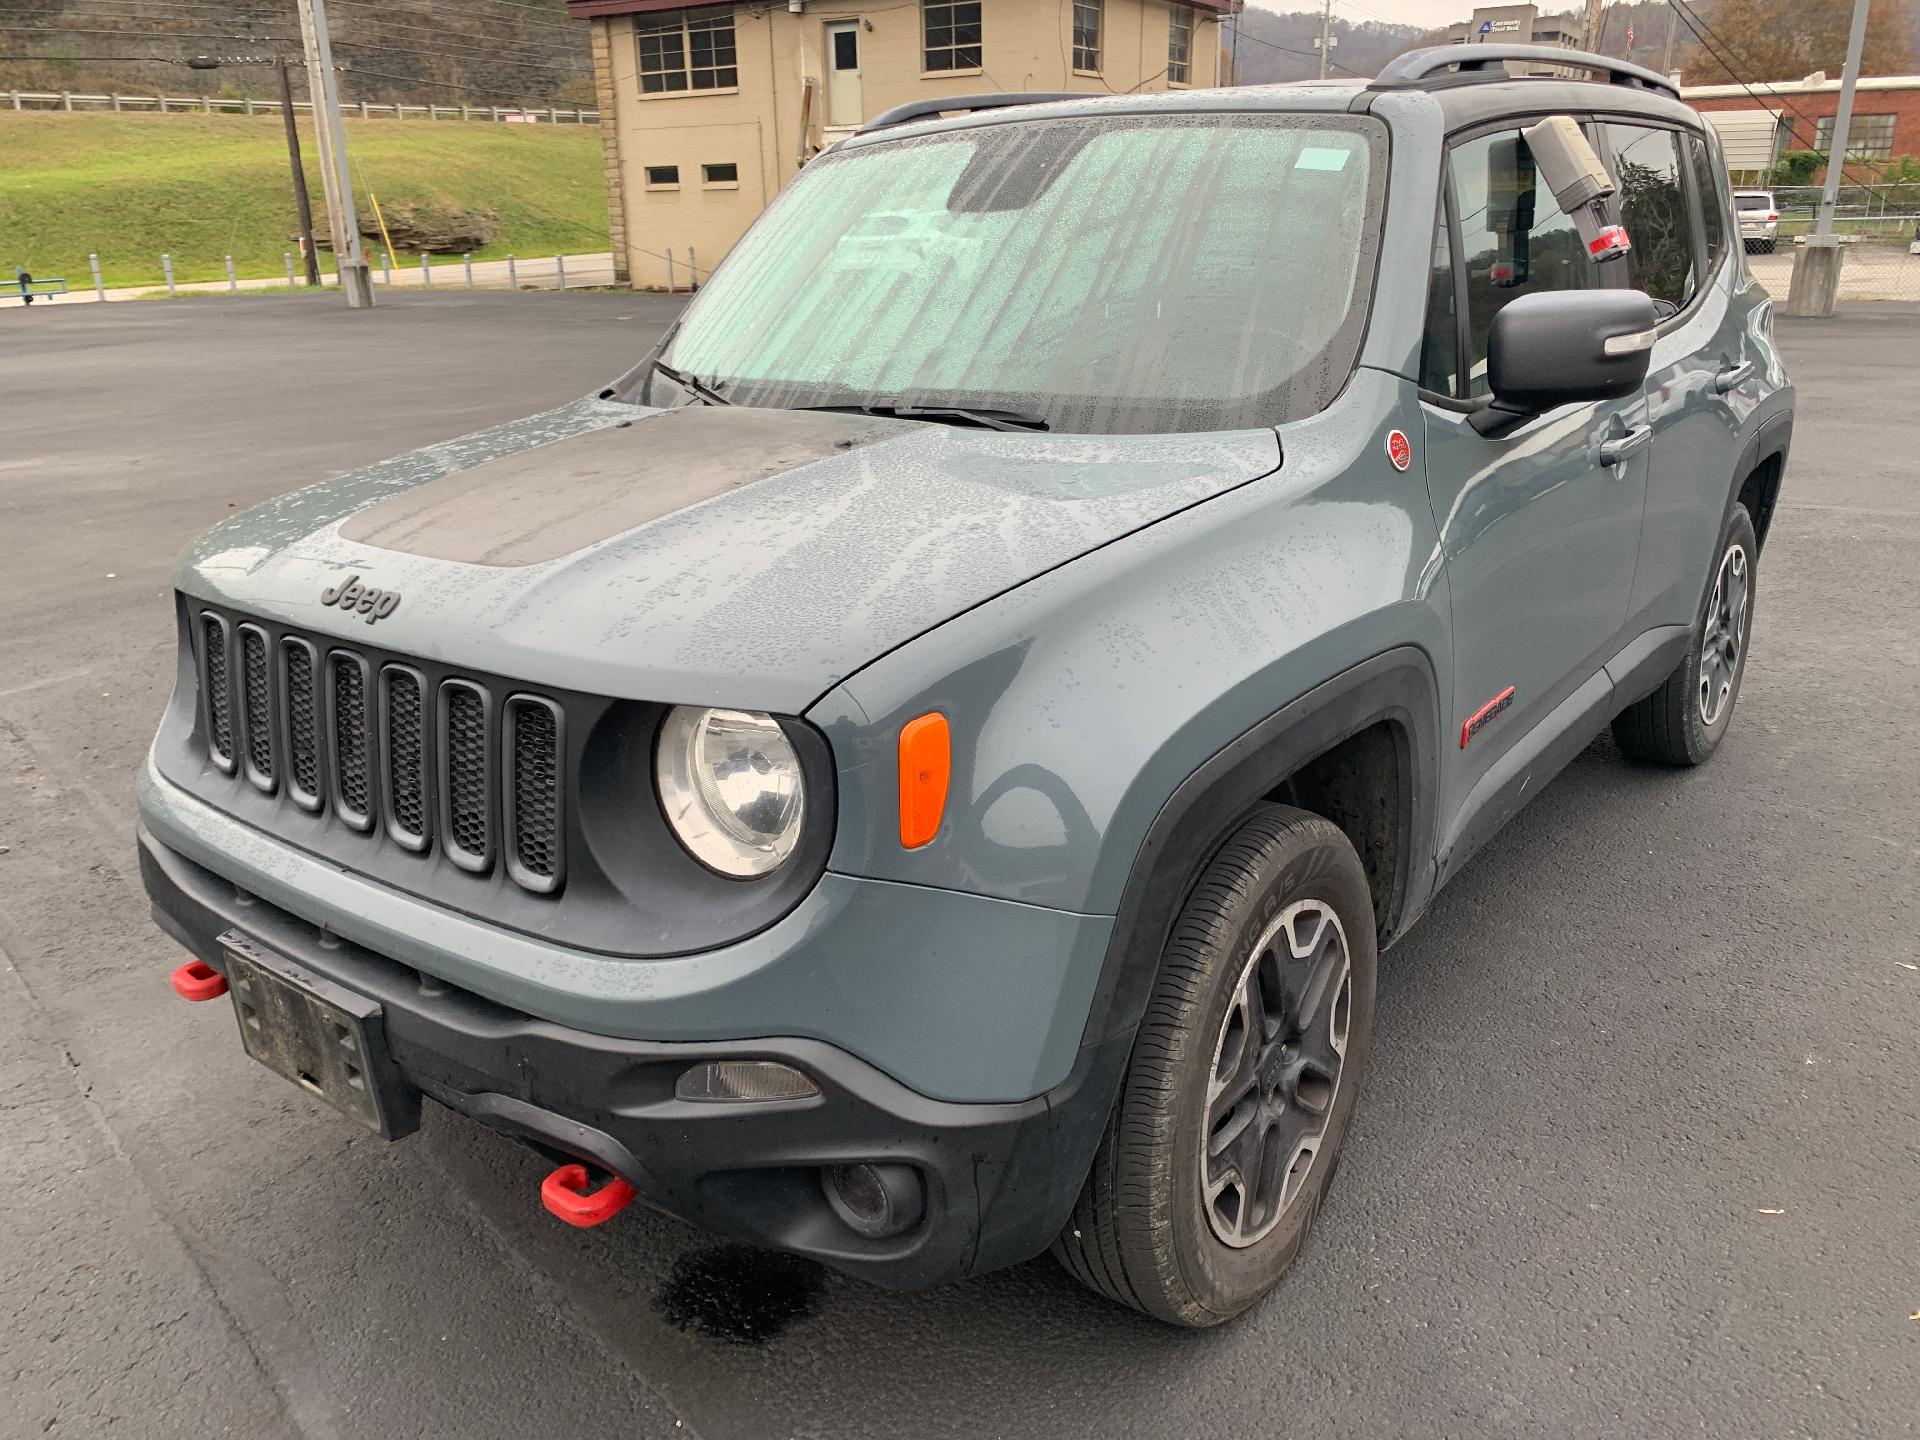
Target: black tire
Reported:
[(1766, 247), (1143, 1231), (1675, 725)]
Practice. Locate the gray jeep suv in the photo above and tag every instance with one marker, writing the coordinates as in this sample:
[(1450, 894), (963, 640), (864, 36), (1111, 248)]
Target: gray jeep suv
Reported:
[(921, 770)]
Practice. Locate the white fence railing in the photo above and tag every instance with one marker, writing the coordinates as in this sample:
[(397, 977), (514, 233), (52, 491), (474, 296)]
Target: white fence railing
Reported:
[(214, 104)]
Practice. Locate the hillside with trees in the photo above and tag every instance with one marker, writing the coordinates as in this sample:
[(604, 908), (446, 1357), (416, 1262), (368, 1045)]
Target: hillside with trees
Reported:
[(505, 52), (1765, 39)]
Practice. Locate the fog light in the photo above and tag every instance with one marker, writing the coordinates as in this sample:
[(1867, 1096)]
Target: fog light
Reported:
[(744, 1080), (875, 1200)]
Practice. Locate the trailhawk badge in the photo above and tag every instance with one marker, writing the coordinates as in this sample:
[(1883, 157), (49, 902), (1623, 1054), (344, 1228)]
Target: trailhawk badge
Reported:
[(1399, 450), (350, 594)]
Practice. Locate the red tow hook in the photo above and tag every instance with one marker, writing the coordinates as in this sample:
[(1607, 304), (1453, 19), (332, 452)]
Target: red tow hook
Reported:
[(565, 1194), (197, 980)]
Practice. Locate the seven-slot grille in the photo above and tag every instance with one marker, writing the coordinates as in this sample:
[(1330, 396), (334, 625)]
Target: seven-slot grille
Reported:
[(451, 765)]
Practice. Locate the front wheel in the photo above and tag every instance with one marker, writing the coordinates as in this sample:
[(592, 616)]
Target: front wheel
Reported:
[(1243, 1077), (1684, 721)]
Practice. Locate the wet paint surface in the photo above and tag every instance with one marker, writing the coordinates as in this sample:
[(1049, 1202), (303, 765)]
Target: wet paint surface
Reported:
[(762, 598)]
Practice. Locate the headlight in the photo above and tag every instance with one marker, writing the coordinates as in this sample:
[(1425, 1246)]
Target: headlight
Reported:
[(730, 783)]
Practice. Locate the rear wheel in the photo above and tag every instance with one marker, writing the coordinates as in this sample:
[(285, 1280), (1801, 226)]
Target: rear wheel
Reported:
[(1684, 721), (1244, 1074)]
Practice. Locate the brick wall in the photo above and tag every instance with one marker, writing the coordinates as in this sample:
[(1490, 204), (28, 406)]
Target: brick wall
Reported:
[(1904, 105)]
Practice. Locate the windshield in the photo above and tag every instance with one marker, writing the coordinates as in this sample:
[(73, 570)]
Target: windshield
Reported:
[(1753, 202), (1122, 274)]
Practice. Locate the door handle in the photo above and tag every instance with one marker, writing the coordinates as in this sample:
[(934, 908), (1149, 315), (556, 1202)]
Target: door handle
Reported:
[(1732, 379), (1622, 449)]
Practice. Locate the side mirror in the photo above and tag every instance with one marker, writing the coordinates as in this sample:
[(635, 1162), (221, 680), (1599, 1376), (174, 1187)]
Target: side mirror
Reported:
[(1565, 347)]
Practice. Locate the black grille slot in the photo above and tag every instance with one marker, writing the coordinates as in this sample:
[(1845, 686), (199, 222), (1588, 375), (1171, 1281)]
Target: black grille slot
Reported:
[(256, 705), (216, 692), (403, 748), (303, 723), (407, 753), (466, 780), (350, 739), (534, 733)]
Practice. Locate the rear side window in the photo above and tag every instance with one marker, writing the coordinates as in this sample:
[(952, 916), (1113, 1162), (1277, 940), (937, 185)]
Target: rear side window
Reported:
[(1707, 182), (1653, 207), (1514, 238)]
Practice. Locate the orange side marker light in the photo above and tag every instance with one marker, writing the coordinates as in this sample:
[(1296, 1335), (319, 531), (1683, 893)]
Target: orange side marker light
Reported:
[(926, 765)]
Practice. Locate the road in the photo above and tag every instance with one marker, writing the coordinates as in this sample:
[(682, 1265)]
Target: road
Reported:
[(1638, 1157)]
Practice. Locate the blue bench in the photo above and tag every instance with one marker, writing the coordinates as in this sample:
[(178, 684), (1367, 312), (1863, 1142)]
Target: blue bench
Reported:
[(55, 285)]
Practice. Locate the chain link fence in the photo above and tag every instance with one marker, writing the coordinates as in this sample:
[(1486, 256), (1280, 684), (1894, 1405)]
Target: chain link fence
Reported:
[(1879, 230)]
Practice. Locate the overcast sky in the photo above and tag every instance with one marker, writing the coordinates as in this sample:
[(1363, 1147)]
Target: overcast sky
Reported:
[(1432, 13)]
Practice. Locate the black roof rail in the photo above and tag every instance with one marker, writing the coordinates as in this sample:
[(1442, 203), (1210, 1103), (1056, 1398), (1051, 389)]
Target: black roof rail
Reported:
[(1419, 68), (926, 109)]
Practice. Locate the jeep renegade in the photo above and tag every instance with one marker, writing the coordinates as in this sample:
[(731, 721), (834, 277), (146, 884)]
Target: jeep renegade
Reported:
[(921, 769)]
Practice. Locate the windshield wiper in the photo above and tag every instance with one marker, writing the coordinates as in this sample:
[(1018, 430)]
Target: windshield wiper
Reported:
[(948, 414), (699, 389)]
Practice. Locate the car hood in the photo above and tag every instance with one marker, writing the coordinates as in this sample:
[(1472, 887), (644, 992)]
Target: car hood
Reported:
[(709, 555)]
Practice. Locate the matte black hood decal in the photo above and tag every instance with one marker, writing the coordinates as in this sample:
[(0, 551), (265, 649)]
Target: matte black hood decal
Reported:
[(542, 504)]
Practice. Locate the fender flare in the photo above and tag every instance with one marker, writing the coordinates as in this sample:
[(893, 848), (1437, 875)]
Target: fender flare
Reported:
[(1772, 435), (1398, 687)]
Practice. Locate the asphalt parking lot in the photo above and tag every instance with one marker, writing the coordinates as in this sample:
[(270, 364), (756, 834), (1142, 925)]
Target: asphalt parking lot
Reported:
[(1639, 1155)]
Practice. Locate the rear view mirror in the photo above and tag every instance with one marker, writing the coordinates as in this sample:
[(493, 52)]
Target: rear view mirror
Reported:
[(1564, 347)]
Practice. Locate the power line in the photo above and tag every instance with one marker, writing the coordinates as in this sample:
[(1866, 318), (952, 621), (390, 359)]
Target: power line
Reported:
[(571, 26), (522, 62), (1785, 102), (1305, 54), (153, 35)]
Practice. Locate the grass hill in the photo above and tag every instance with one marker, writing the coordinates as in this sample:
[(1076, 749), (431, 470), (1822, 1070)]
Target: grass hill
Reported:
[(129, 187)]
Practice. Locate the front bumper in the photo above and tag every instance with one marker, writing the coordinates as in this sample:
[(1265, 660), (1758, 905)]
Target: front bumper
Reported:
[(1000, 1178)]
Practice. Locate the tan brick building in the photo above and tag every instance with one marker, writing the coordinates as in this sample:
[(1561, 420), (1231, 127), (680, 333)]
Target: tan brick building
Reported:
[(707, 111)]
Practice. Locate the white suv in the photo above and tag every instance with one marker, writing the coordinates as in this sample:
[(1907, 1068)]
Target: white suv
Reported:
[(1759, 219)]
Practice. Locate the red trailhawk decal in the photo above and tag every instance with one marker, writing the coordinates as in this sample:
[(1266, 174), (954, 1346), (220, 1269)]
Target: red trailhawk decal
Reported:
[(1399, 449)]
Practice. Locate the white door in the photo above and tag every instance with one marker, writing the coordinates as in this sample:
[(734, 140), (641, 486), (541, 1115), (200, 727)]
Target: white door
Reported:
[(843, 74)]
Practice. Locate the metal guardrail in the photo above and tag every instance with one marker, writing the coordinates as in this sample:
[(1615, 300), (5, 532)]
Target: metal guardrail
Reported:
[(66, 100)]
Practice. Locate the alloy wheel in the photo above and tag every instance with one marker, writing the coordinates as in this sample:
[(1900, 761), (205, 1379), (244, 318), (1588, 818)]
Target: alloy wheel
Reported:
[(1276, 1072), (1726, 634)]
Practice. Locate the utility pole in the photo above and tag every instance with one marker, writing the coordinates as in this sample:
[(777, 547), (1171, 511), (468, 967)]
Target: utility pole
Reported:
[(1666, 65), (1843, 118), (324, 91), (300, 196), (1326, 37), (1596, 18)]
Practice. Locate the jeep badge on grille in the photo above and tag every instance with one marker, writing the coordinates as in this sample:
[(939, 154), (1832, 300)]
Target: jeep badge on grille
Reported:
[(350, 594)]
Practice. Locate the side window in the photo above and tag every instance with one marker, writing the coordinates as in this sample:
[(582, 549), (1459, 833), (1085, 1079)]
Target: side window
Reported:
[(1440, 351), (1710, 181), (1514, 237), (1653, 207)]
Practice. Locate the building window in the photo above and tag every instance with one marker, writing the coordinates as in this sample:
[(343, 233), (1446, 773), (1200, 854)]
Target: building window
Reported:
[(720, 174), (663, 177), (1087, 17), (1869, 137), (953, 35), (686, 50), (1179, 45)]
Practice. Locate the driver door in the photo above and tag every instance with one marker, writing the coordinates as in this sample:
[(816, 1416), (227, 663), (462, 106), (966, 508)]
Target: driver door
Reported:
[(1539, 536)]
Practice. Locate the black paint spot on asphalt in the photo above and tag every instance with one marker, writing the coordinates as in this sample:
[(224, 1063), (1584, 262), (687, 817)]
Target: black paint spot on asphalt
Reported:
[(738, 1294)]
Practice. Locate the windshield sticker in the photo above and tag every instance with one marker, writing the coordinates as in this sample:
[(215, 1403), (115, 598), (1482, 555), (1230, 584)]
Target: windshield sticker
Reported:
[(1321, 157)]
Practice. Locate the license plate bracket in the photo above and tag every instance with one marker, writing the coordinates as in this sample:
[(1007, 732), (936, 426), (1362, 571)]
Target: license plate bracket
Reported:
[(325, 1038)]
